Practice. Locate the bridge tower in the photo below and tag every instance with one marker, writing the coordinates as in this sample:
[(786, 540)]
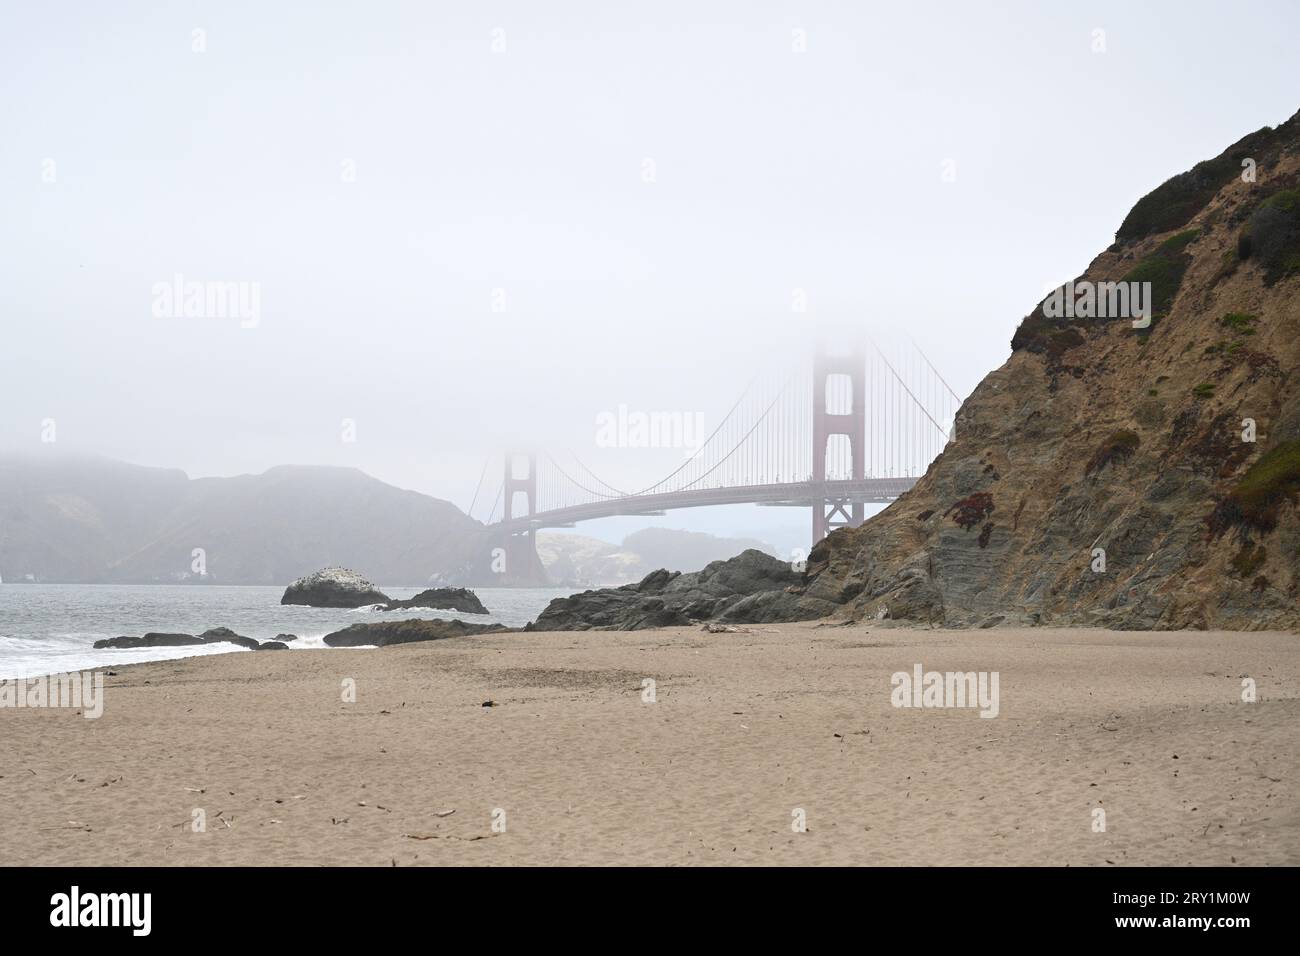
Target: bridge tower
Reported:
[(833, 512), (522, 567)]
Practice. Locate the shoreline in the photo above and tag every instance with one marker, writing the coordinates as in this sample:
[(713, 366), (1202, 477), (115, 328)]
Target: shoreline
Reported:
[(49, 629), (311, 643), (745, 729)]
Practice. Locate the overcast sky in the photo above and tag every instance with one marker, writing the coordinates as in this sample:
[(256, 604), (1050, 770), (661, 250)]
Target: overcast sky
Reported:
[(378, 169)]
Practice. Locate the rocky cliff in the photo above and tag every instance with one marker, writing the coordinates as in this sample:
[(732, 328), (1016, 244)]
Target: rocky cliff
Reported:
[(1121, 476)]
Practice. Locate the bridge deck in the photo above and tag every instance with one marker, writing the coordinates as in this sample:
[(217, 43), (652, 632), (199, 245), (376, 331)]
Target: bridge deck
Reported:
[(800, 494)]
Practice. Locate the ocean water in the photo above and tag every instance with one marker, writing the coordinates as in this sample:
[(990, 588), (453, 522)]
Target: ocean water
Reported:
[(51, 628)]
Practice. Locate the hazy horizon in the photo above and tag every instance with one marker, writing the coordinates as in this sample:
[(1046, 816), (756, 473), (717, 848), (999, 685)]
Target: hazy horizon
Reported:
[(475, 231)]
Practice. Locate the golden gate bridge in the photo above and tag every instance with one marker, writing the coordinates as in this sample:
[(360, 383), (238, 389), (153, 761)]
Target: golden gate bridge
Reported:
[(854, 429)]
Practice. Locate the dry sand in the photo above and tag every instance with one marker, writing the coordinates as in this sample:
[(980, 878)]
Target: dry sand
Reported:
[(746, 728)]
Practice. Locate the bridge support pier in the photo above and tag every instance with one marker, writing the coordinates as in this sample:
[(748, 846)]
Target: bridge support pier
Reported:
[(833, 512), (522, 567)]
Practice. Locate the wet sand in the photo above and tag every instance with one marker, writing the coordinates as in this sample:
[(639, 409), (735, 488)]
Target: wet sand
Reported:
[(574, 765)]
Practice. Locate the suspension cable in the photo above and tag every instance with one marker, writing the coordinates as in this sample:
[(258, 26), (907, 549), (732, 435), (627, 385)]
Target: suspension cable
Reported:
[(481, 475), (704, 444), (938, 374), (909, 391)]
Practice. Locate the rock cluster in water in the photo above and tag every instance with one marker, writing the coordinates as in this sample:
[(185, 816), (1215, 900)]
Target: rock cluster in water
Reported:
[(333, 587), (386, 633), (216, 635), (441, 599), (345, 588)]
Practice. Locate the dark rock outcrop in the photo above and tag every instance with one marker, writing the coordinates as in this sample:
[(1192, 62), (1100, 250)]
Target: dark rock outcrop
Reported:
[(152, 639), (386, 633), (333, 587), (215, 635), (442, 599), (218, 634), (273, 646), (752, 587)]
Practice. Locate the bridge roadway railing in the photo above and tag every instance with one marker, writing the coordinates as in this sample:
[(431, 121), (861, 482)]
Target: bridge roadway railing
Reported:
[(794, 494)]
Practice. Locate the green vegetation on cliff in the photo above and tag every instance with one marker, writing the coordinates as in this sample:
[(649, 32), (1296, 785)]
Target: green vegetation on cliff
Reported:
[(1164, 268), (1272, 236), (1176, 201), (1254, 502)]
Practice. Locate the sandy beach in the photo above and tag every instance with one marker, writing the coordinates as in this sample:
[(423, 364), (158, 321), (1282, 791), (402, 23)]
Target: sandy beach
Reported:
[(574, 764)]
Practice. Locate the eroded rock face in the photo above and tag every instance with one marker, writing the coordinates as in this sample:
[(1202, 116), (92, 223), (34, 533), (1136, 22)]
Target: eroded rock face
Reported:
[(386, 633), (333, 587), (1098, 437), (752, 587), (444, 599)]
